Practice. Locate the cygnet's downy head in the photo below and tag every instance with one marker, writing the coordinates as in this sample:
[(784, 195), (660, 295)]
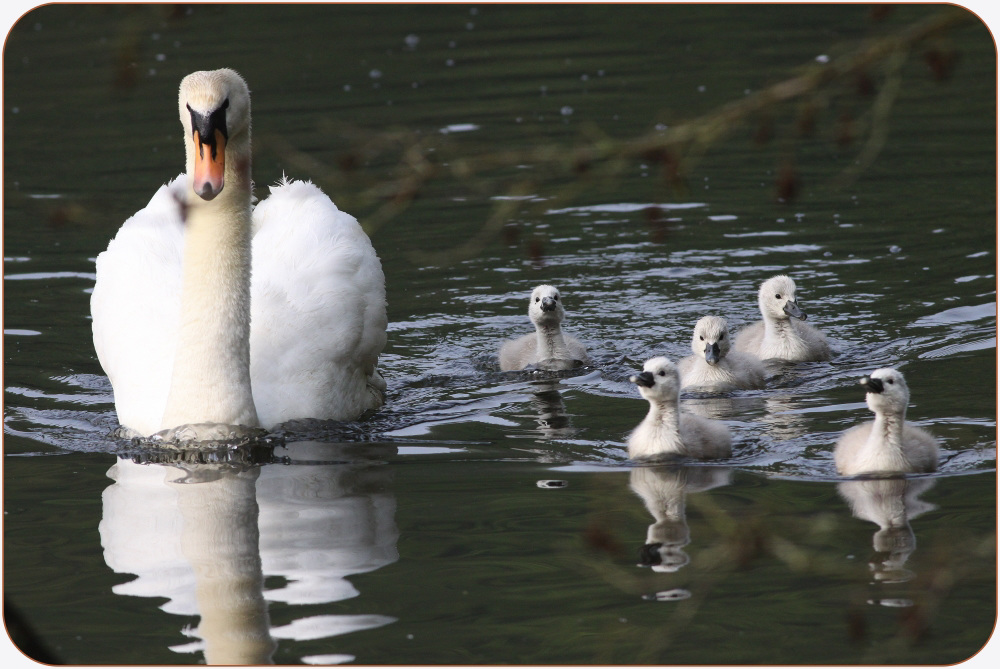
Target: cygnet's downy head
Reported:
[(659, 380), (711, 339), (777, 299), (545, 307), (887, 392)]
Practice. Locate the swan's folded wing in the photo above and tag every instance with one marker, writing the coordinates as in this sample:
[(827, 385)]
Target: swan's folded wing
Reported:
[(318, 315), (135, 306)]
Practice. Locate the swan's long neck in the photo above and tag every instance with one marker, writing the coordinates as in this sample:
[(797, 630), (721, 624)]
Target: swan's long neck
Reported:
[(211, 376), (551, 343), (884, 448), (888, 430), (663, 420), (781, 338)]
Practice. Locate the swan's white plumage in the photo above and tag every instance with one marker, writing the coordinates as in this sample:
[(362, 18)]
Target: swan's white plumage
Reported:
[(309, 315), (781, 334), (713, 366), (888, 444), (665, 431), (136, 305), (321, 274), (548, 347)]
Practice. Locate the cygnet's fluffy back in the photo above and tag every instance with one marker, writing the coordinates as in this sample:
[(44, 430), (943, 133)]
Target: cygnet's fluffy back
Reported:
[(782, 334), (713, 366), (665, 431), (548, 347), (887, 444)]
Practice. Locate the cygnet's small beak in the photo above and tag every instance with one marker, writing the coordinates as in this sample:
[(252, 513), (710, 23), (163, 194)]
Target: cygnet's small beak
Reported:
[(548, 304), (649, 555), (642, 379), (792, 309), (712, 353), (872, 385)]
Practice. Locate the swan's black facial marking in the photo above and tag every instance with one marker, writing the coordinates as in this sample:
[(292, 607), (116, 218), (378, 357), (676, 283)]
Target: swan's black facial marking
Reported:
[(649, 555), (643, 379), (206, 125), (873, 385)]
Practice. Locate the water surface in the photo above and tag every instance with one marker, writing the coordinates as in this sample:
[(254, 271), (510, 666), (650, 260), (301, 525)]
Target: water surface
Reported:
[(488, 517)]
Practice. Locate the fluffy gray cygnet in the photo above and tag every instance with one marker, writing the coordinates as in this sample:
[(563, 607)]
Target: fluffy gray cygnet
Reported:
[(782, 334), (713, 366), (665, 430), (548, 347), (888, 444)]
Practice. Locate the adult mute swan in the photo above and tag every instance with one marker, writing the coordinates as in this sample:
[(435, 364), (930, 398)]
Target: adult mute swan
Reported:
[(777, 335), (667, 431), (713, 367), (210, 312), (548, 347), (888, 444)]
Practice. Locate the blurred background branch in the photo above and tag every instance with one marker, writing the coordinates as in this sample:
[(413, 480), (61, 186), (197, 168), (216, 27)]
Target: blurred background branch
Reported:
[(871, 71)]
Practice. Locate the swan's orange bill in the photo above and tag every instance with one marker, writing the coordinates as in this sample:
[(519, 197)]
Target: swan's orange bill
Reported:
[(209, 165)]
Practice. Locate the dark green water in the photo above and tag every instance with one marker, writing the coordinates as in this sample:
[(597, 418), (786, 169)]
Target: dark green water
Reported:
[(425, 535)]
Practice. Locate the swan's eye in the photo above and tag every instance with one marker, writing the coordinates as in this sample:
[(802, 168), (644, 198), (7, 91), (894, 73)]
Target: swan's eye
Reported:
[(701, 338), (555, 297), (890, 380), (778, 296), (722, 336), (538, 299), (661, 373)]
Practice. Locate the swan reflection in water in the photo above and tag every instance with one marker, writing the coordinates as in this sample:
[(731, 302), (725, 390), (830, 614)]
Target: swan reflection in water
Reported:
[(890, 503), (205, 538), (663, 490)]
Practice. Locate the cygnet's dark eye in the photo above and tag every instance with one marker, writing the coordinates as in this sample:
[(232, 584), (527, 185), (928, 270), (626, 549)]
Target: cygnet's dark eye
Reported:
[(555, 297), (701, 338), (778, 295), (662, 373), (722, 336), (890, 380), (538, 299)]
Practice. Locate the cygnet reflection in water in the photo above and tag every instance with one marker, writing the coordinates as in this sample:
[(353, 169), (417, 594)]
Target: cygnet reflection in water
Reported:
[(888, 444), (782, 333), (891, 504), (713, 367), (548, 347), (665, 431), (663, 490)]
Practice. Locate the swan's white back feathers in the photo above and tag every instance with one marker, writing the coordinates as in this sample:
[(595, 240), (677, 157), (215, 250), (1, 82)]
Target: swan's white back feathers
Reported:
[(136, 305), (313, 266), (317, 309)]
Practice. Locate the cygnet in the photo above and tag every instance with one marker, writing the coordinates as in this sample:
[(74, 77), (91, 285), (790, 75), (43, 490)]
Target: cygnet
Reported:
[(888, 444), (548, 347), (713, 367), (778, 335), (667, 431)]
